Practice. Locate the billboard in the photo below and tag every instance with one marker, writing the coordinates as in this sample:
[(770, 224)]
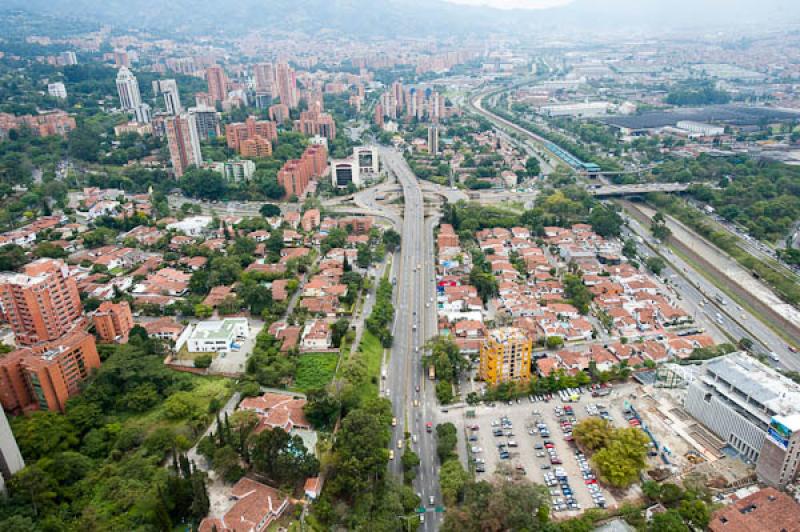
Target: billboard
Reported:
[(779, 433)]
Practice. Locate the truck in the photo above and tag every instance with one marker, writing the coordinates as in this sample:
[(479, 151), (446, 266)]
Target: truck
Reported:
[(431, 372)]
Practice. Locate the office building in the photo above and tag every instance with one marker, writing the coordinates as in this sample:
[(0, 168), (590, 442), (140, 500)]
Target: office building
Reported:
[(46, 375), (172, 98), (286, 81), (42, 303), (264, 74), (57, 90), (235, 170), (357, 169), (505, 356), (67, 58), (754, 409), (217, 83), (10, 458), (128, 89), (113, 322), (237, 133), (183, 142), (433, 139), (206, 120)]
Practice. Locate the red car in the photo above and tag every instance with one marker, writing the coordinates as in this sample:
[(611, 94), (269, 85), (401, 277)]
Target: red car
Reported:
[(591, 481)]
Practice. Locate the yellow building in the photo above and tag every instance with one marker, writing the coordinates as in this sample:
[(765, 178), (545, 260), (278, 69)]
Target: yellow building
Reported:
[(506, 356)]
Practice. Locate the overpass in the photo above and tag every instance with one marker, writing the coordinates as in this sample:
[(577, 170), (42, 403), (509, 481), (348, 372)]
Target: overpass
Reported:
[(636, 189)]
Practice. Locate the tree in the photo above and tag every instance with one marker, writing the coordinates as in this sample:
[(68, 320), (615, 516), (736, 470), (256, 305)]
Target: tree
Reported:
[(282, 457), (622, 459), (444, 392), (532, 167), (269, 210), (484, 282), (410, 462), (659, 227), (655, 264), (227, 464), (203, 361), (446, 358), (12, 257), (50, 250), (203, 184), (629, 249), (203, 311), (452, 479), (592, 433), (364, 256), (338, 331), (391, 239), (605, 221), (669, 521), (554, 342)]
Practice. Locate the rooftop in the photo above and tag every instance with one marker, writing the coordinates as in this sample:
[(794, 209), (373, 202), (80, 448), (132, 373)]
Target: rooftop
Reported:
[(216, 329), (759, 381)]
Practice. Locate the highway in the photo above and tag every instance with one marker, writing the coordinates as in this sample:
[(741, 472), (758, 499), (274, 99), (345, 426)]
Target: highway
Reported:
[(738, 322), (413, 398)]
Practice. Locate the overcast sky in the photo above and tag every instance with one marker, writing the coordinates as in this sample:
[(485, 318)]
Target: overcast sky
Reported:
[(514, 4)]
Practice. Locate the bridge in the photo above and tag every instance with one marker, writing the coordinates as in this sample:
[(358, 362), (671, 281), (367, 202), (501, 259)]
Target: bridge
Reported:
[(636, 189)]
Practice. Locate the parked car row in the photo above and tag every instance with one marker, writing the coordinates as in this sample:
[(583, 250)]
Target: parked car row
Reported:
[(561, 492), (590, 480)]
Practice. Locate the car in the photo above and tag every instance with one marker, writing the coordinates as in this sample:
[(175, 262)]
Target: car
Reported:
[(394, 421), (421, 518), (538, 445), (414, 438), (545, 466), (399, 444), (391, 454), (473, 438), (431, 500)]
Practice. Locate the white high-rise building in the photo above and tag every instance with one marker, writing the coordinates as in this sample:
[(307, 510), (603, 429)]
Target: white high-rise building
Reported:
[(57, 90), (142, 113), (172, 99), (128, 88), (10, 458), (67, 58)]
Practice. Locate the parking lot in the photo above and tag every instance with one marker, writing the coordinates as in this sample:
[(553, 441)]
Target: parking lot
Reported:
[(531, 438)]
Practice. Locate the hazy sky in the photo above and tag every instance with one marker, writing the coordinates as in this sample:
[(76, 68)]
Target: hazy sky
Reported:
[(514, 4)]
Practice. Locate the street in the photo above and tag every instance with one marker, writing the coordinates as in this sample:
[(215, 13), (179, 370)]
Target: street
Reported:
[(414, 323)]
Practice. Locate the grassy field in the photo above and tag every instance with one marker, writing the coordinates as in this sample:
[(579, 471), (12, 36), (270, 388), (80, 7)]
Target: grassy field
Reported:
[(315, 370), (371, 353), (177, 411)]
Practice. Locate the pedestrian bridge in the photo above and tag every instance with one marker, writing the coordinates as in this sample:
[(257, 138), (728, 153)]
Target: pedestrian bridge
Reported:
[(634, 190)]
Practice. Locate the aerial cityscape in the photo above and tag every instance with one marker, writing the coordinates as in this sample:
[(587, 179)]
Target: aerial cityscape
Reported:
[(394, 265)]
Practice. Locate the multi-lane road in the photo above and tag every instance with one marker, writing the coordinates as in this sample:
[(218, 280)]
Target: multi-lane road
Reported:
[(412, 397), (692, 286)]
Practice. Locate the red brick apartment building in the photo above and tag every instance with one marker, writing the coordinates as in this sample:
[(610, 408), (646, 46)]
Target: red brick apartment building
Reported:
[(42, 303), (297, 173), (44, 376), (251, 128), (113, 322)]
